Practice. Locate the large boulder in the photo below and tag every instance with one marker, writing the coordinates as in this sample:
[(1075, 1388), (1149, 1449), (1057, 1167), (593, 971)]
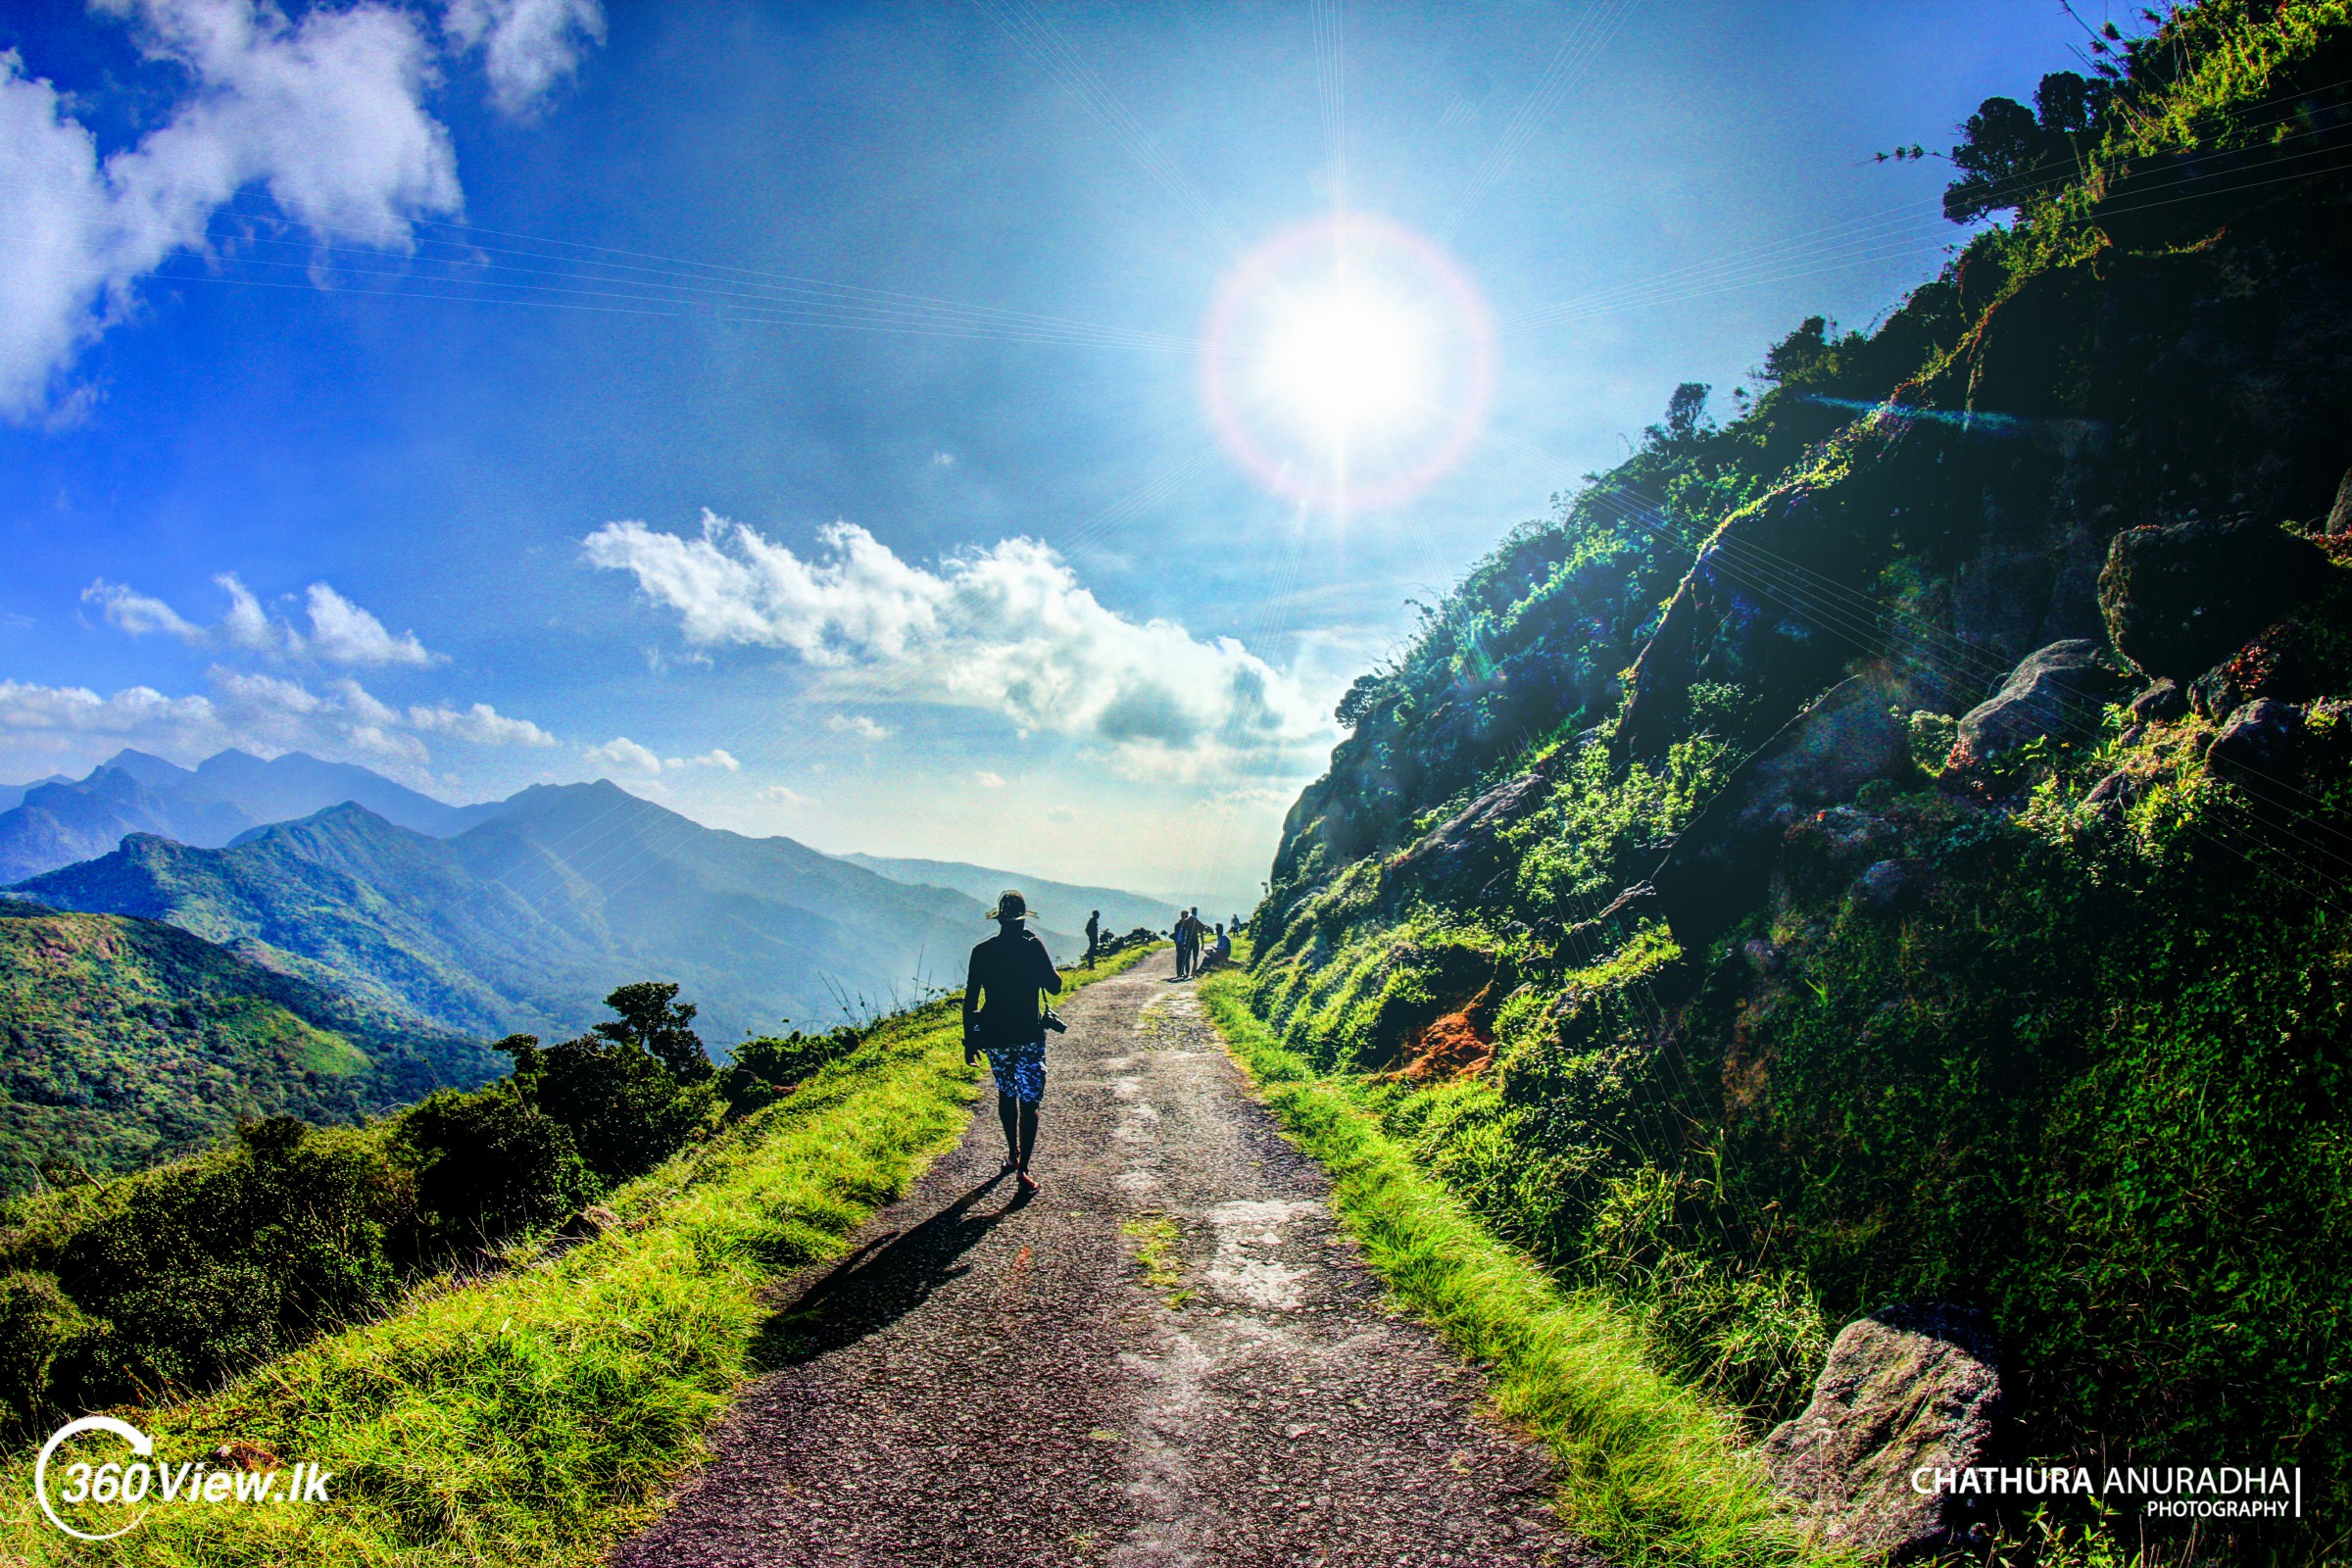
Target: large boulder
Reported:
[(2178, 600), (2163, 700), (1719, 865), (1468, 844), (1907, 1389), (2259, 739), (2059, 690)]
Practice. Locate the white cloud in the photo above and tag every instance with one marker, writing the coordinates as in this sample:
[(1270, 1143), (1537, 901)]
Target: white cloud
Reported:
[(324, 114), (987, 780), (527, 46), (341, 632), (247, 626), (857, 724), (1007, 628), (269, 694), (481, 724), (139, 613), (783, 793), (624, 756)]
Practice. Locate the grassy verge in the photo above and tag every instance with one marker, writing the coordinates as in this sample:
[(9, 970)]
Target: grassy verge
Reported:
[(1653, 1472), (538, 1416)]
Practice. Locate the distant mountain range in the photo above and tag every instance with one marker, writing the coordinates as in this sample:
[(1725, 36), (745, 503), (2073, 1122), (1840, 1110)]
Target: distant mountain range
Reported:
[(13, 794), (524, 921), (516, 914), (128, 1042), (57, 823), (1062, 907)]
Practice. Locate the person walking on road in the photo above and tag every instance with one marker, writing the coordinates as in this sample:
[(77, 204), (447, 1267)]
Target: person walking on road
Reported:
[(1093, 936), (1187, 939), (1008, 1026)]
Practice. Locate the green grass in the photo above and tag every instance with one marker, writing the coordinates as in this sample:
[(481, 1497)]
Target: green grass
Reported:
[(1156, 1236), (1652, 1471), (541, 1415)]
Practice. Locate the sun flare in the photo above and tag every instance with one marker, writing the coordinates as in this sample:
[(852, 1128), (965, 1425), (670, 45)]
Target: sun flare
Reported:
[(1346, 363)]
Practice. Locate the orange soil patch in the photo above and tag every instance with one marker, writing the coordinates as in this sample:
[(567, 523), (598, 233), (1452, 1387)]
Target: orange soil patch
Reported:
[(1448, 1047)]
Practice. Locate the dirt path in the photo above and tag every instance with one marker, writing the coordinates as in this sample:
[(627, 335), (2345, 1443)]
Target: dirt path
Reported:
[(993, 1383)]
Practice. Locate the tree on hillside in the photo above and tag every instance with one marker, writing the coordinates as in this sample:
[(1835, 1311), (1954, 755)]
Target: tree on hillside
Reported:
[(631, 1091), (2010, 155), (653, 1020), (1686, 419)]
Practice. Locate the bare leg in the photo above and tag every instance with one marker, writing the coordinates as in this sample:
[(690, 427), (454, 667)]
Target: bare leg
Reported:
[(1013, 1113), (1028, 1141)]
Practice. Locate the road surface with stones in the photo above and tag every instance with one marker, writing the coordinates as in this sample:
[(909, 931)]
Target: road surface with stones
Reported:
[(1170, 1356)]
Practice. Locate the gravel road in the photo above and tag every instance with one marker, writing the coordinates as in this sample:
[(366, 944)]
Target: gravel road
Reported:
[(991, 1382)]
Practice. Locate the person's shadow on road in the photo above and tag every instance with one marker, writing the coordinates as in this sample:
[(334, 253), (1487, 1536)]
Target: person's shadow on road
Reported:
[(880, 1283)]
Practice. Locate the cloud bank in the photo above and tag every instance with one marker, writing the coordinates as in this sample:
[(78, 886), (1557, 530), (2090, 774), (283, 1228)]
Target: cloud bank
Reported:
[(323, 114), (1007, 628), (257, 713)]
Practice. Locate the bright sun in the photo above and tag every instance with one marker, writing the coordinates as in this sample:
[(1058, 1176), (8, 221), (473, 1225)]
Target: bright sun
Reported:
[(1345, 363)]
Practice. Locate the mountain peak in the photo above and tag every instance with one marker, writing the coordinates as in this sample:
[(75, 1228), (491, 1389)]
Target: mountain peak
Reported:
[(148, 768)]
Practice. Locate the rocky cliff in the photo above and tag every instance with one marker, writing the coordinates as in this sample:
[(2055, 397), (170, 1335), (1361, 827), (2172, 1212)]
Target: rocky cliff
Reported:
[(1891, 847)]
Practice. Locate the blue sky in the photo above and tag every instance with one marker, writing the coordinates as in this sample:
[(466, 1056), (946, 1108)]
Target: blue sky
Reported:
[(795, 412)]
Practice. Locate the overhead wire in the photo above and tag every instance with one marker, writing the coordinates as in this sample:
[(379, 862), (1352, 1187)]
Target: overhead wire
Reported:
[(1578, 51), (1036, 36)]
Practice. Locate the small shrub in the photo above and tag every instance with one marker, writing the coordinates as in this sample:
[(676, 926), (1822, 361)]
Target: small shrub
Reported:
[(487, 1164)]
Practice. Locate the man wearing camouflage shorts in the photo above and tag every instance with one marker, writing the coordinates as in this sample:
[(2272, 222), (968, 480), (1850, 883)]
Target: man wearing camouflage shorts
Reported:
[(1009, 969)]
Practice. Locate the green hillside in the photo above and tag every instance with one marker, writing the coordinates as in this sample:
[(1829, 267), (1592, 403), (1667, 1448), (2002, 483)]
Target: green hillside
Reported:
[(1890, 847), (128, 1042)]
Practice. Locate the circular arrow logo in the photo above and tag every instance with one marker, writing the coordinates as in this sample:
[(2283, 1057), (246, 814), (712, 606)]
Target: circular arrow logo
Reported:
[(141, 1444)]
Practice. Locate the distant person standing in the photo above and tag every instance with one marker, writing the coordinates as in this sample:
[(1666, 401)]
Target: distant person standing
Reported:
[(1009, 969), (1188, 943), (1093, 936)]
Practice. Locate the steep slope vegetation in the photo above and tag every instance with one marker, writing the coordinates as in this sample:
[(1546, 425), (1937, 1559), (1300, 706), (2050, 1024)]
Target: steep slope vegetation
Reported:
[(1891, 847), (522, 922), (128, 1042)]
